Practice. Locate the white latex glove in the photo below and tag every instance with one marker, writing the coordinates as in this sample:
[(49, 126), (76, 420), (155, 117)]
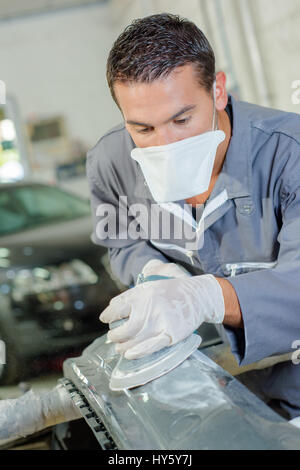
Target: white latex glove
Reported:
[(159, 268), (162, 313)]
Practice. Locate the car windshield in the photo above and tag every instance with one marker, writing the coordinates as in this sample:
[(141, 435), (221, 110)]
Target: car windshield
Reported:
[(25, 207)]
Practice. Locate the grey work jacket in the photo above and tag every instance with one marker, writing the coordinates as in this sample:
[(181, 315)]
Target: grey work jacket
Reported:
[(251, 232)]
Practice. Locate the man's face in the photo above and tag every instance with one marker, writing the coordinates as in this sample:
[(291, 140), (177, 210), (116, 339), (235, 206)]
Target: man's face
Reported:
[(168, 109)]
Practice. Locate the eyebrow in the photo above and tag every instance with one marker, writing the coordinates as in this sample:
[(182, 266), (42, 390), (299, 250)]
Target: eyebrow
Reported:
[(182, 111)]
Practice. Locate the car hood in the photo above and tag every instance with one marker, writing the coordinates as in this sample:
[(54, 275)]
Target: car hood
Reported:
[(197, 405), (49, 243)]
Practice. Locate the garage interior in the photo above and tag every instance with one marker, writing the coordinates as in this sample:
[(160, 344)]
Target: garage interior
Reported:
[(54, 106)]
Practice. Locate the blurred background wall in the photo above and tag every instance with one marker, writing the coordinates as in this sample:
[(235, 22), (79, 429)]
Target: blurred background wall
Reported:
[(53, 57)]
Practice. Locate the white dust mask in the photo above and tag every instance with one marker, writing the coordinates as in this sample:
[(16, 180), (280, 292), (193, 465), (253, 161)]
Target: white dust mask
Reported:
[(182, 169)]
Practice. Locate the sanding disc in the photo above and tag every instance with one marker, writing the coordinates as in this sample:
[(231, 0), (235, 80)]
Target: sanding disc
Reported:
[(129, 373)]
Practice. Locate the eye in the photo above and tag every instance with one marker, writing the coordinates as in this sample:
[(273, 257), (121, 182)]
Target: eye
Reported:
[(145, 130), (182, 121)]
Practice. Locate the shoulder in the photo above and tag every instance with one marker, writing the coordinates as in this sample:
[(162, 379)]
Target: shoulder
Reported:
[(271, 121), (110, 156), (112, 145), (275, 140)]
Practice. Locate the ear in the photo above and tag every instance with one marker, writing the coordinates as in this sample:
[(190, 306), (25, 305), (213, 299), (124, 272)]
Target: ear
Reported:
[(221, 93)]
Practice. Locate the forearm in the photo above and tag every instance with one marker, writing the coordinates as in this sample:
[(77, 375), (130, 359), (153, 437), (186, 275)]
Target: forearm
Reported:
[(233, 315)]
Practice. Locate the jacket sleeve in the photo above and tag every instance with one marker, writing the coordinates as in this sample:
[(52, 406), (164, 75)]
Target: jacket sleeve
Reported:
[(111, 218), (270, 298)]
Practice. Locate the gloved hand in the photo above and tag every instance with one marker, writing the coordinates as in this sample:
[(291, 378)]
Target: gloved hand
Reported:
[(159, 268), (162, 313)]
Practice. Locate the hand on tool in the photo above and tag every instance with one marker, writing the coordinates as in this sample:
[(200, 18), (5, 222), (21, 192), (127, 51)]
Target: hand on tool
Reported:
[(159, 268), (162, 313)]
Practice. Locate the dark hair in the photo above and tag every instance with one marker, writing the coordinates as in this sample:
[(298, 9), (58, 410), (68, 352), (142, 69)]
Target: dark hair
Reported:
[(153, 46)]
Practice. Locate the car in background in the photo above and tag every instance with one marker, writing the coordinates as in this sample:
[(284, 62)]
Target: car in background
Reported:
[(54, 282)]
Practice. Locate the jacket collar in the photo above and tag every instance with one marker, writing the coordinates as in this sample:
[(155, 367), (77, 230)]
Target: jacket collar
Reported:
[(236, 173)]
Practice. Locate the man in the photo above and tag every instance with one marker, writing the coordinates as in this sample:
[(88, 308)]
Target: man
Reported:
[(230, 170)]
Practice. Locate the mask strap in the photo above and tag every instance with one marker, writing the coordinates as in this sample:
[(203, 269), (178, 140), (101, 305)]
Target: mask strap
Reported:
[(215, 124)]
